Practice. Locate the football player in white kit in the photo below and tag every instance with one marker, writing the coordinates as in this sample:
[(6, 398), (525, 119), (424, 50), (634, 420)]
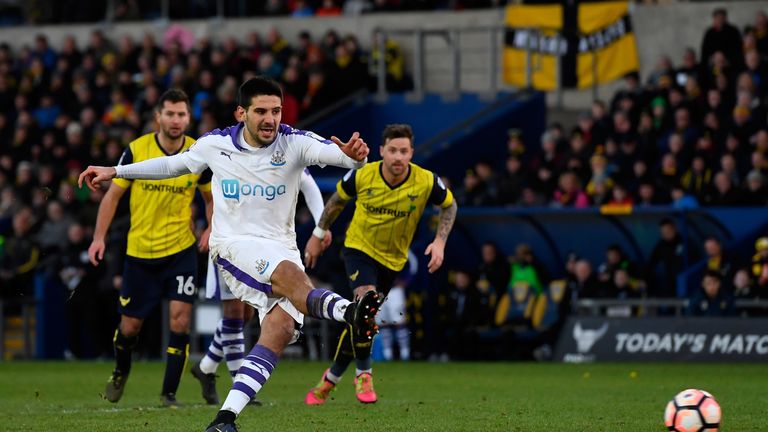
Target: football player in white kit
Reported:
[(228, 343), (257, 166)]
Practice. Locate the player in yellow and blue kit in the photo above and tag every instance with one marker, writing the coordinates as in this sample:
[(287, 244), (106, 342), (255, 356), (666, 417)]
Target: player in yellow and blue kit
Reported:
[(391, 196), (161, 260)]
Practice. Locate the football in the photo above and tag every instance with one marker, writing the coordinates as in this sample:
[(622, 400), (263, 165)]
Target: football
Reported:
[(692, 410)]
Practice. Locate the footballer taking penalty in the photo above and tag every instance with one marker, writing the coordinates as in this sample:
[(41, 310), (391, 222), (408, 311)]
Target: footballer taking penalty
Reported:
[(257, 166), (391, 197)]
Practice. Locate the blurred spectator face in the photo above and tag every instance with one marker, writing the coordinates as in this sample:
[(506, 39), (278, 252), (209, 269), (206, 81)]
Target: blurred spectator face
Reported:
[(396, 154), (621, 278), (711, 285), (577, 143), (721, 83), (754, 181), (569, 182), (713, 98), (54, 212), (582, 270), (621, 122), (598, 110), (484, 171), (646, 122), (462, 280), (712, 247), (640, 169), (619, 194), (471, 181), (668, 163), (513, 165), (682, 119), (173, 119), (758, 160), (698, 164), (676, 97), (24, 173), (722, 182), (741, 280), (676, 143), (45, 176), (76, 234), (761, 140), (705, 143), (489, 253), (744, 83), (613, 256), (752, 60), (719, 61), (266, 60), (719, 18), (22, 221), (689, 58), (668, 232), (728, 163)]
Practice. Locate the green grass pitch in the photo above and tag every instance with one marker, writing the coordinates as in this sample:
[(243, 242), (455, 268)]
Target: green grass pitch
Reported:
[(59, 396)]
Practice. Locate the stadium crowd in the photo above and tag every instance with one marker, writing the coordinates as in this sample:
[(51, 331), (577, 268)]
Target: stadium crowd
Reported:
[(689, 135), (692, 135)]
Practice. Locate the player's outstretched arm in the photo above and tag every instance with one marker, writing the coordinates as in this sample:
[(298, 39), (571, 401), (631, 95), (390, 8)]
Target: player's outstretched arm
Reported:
[(94, 175), (436, 249), (106, 213), (355, 148), (315, 245)]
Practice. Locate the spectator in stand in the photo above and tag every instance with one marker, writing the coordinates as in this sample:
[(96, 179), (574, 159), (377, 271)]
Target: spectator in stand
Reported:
[(722, 37), (724, 194), (585, 283), (600, 185), (760, 264), (20, 257), (494, 269), (717, 259), (669, 258), (569, 192), (511, 183), (526, 269), (681, 199), (756, 193), (713, 299), (328, 8), (615, 259), (547, 162), (697, 180)]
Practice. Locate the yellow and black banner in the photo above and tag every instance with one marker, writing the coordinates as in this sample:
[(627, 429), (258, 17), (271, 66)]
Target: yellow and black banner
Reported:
[(593, 41)]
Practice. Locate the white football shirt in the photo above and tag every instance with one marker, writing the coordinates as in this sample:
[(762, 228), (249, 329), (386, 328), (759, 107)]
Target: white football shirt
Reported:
[(255, 189)]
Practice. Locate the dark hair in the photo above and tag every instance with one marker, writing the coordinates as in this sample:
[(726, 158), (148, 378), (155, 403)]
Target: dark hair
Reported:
[(720, 11), (666, 221), (393, 131), (258, 86), (172, 95), (713, 274)]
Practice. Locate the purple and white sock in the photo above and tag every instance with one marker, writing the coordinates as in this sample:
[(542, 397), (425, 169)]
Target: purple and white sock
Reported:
[(325, 304), (215, 354), (253, 374), (233, 343)]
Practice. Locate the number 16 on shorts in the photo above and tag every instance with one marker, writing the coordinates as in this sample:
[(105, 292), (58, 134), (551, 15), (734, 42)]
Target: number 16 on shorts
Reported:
[(186, 285)]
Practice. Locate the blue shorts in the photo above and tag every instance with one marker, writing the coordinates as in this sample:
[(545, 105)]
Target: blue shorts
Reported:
[(147, 281), (364, 270)]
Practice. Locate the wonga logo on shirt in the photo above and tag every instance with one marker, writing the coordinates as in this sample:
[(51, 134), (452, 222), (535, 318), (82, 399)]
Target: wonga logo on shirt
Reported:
[(232, 189)]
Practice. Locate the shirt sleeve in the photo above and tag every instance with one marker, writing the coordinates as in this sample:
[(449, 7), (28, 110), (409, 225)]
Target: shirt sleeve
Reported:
[(440, 195), (204, 182), (125, 159), (318, 151), (346, 187), (312, 195)]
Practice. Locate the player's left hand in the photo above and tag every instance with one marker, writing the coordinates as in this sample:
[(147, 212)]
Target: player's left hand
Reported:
[(202, 245), (436, 250), (94, 175), (355, 148)]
